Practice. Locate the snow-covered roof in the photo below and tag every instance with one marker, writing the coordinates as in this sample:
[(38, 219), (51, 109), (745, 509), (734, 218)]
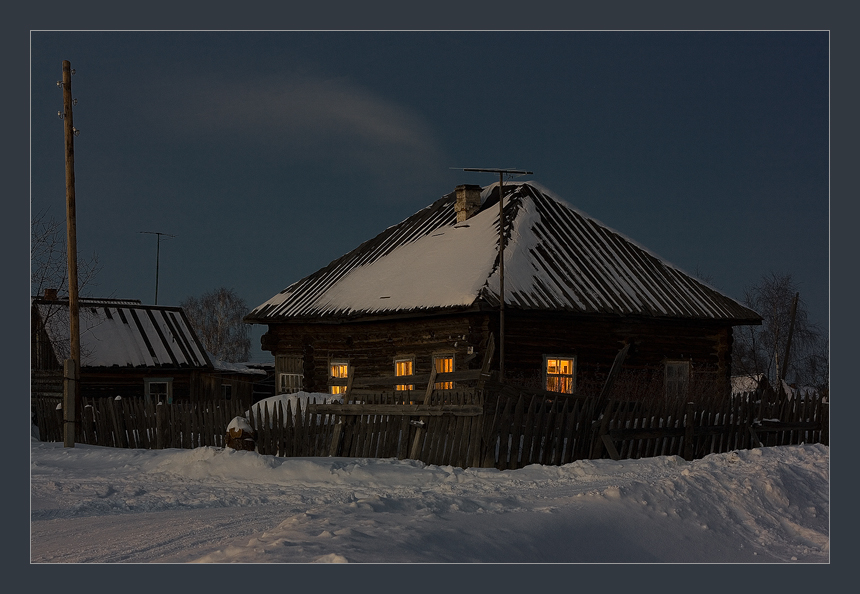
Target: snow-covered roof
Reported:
[(556, 259), (122, 333), (226, 366), (747, 383)]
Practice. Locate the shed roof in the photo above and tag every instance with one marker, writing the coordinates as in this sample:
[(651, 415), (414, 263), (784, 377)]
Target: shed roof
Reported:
[(125, 333), (556, 259)]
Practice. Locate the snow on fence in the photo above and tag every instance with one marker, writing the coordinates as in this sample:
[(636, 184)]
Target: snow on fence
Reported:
[(499, 426), (133, 423)]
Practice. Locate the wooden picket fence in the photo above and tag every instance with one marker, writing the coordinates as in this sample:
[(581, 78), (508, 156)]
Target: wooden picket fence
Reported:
[(133, 423), (540, 429), (488, 424)]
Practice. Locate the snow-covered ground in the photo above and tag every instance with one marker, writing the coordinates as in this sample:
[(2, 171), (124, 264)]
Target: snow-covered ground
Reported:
[(96, 504)]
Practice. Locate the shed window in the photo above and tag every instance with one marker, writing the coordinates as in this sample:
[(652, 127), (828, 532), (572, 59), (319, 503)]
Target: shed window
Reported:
[(226, 391), (338, 373), (404, 366), (289, 383), (158, 389), (560, 373), (444, 364), (290, 374), (677, 378)]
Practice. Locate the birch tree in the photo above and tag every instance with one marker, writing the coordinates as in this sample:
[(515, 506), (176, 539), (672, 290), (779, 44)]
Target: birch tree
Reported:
[(216, 317), (762, 349)]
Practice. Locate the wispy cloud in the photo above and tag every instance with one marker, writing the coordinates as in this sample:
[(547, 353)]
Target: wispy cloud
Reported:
[(305, 117)]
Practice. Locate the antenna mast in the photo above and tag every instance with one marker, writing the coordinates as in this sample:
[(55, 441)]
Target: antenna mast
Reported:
[(501, 173), (157, 256)]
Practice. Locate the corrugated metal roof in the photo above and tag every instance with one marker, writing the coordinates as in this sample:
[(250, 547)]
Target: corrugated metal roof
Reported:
[(121, 333), (556, 259)]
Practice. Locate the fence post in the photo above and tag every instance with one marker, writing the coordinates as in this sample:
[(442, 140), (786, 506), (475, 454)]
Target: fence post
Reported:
[(159, 426), (70, 379), (689, 415)]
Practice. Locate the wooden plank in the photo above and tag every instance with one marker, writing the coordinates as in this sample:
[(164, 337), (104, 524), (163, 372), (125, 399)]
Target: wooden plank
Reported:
[(335, 438), (614, 371), (416, 444), (776, 426), (411, 410), (501, 430), (597, 449), (689, 419), (485, 364), (464, 375), (610, 447)]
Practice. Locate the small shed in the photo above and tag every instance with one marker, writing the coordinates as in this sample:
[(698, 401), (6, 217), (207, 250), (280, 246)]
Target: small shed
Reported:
[(131, 350), (425, 293)]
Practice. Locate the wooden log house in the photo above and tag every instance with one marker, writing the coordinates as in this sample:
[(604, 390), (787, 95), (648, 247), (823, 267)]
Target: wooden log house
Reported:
[(425, 293), (131, 350)]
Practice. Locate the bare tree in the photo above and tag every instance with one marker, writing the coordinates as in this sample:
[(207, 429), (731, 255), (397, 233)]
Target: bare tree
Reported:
[(49, 270), (48, 260), (762, 349), (216, 317)]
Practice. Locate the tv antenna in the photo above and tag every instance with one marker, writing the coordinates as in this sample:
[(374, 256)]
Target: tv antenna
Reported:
[(157, 256), (502, 173)]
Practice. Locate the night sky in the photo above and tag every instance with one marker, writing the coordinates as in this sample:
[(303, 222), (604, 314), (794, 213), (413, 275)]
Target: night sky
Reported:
[(267, 155)]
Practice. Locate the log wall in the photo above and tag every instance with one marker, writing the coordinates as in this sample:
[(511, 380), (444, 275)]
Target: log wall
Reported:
[(371, 346)]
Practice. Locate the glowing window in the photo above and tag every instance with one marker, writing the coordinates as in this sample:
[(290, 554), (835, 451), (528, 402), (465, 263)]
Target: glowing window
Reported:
[(560, 374), (338, 370), (404, 367), (444, 364)]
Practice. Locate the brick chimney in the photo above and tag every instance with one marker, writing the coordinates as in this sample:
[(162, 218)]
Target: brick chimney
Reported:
[(468, 201), (51, 294)]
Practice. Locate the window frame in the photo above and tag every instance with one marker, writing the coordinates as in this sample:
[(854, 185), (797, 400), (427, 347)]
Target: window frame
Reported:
[(673, 387), (404, 359), (547, 375), (285, 386), (148, 382), (337, 383), (289, 372), (440, 357)]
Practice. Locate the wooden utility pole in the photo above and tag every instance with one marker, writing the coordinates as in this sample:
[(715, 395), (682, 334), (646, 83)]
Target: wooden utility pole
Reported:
[(72, 367), (501, 173)]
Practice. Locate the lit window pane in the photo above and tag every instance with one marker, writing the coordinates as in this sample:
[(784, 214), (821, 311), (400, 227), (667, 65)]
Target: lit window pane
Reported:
[(560, 374), (444, 364), (403, 367)]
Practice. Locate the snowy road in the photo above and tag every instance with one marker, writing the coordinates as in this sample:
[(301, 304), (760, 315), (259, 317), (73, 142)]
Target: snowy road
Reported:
[(92, 504)]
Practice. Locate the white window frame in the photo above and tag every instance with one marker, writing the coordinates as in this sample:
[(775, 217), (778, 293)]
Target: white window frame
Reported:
[(290, 374), (290, 383), (148, 382), (562, 376), (227, 391)]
